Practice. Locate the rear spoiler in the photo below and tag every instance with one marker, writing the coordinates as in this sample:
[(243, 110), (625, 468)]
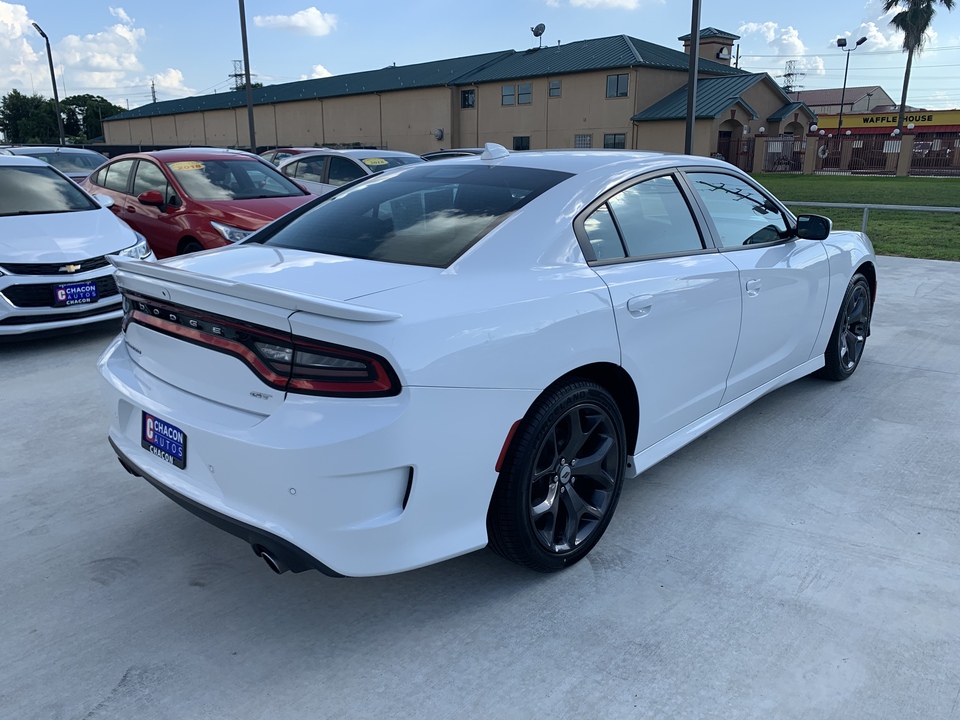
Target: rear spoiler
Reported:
[(245, 291)]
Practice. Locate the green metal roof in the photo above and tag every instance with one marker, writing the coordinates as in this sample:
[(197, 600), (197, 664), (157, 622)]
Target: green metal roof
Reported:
[(711, 32), (422, 75), (714, 96), (618, 51), (788, 110)]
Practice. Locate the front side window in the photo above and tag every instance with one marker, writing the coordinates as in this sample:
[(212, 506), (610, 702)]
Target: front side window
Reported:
[(521, 142), (617, 85), (39, 190), (468, 99), (654, 219), (615, 141), (554, 88), (150, 177), (524, 93), (117, 175), (742, 214), (234, 179), (425, 215), (507, 96)]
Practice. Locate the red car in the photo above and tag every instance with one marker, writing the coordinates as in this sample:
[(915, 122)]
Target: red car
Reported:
[(195, 198)]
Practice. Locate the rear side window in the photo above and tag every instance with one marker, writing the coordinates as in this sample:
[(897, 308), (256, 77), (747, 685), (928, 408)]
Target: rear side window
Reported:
[(117, 175), (426, 215), (343, 171)]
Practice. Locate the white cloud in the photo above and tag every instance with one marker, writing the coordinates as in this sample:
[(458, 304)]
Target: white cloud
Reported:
[(121, 16), (317, 71), (306, 22), (18, 60), (782, 42), (171, 82)]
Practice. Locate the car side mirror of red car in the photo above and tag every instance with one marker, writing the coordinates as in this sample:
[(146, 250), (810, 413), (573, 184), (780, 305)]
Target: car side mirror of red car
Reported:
[(151, 197)]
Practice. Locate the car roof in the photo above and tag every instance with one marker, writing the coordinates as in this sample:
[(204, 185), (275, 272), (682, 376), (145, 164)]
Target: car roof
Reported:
[(22, 161), (27, 149), (361, 153), (180, 154)]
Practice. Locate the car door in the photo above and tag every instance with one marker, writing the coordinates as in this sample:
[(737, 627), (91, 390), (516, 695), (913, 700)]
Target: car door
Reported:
[(113, 180), (309, 172), (783, 280), (158, 224), (676, 300)]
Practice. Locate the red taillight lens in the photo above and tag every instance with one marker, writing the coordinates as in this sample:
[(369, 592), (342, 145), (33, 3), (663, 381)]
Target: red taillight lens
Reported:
[(287, 363)]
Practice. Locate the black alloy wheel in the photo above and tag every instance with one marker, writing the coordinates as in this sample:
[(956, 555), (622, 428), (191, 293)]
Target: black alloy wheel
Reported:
[(561, 479), (850, 332)]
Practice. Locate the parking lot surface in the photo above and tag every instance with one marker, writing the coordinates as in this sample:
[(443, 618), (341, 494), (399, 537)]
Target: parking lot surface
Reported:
[(802, 560)]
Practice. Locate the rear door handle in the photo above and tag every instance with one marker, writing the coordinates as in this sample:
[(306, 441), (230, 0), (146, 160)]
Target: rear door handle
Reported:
[(753, 287), (639, 306)]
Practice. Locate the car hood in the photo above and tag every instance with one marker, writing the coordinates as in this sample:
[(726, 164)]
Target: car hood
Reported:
[(62, 237), (300, 272), (251, 214)]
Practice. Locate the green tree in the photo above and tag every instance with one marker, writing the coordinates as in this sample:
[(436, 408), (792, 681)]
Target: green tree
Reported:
[(913, 21), (83, 116), (28, 119)]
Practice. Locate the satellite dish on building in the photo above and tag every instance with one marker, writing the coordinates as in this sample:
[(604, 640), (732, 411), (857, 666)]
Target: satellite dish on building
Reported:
[(538, 32)]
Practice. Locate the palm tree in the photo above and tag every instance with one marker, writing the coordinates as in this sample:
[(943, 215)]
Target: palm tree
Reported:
[(913, 21)]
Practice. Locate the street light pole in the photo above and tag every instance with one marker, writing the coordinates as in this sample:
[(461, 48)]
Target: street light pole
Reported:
[(53, 79), (842, 44)]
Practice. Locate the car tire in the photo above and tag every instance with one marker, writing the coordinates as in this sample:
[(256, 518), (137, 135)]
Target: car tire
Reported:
[(190, 246), (561, 478), (849, 332)]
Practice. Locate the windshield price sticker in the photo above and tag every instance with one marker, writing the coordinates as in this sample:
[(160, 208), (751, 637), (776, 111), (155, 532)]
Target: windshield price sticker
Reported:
[(187, 165), (373, 161), (75, 294), (166, 441)]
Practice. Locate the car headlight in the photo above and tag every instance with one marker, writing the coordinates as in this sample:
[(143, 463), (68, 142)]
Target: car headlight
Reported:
[(230, 234), (139, 251)]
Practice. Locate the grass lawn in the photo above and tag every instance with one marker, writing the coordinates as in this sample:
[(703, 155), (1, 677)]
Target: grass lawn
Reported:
[(934, 236)]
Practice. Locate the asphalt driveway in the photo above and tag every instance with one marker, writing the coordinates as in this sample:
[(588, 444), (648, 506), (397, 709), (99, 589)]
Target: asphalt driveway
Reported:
[(802, 560)]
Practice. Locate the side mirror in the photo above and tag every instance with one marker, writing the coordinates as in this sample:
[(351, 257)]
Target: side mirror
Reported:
[(104, 201), (813, 227), (151, 197)]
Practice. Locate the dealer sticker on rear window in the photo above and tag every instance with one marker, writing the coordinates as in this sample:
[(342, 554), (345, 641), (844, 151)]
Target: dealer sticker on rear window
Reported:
[(165, 440)]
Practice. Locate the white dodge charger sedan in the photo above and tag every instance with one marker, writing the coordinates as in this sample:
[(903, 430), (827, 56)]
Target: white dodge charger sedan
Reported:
[(472, 352), (55, 241)]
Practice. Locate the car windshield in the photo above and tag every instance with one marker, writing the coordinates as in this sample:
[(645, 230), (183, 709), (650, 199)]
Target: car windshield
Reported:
[(427, 215), (39, 190), (376, 164), (233, 179), (68, 162)]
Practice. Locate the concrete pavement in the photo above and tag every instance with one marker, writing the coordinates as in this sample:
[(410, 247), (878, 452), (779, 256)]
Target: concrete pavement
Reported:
[(802, 560)]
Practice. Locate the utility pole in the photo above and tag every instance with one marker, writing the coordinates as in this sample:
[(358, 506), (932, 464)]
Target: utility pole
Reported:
[(692, 79), (246, 73), (153, 90)]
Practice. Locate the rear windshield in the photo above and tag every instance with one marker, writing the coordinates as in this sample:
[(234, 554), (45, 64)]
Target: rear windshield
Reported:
[(68, 162), (426, 215), (376, 164), (234, 179), (39, 191)]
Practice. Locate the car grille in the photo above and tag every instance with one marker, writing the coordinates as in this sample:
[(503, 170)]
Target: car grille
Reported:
[(54, 268), (59, 317), (42, 294)]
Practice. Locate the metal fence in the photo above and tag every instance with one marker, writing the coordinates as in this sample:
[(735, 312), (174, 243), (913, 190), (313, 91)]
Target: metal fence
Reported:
[(868, 207), (936, 154), (737, 150), (858, 155), (783, 154)]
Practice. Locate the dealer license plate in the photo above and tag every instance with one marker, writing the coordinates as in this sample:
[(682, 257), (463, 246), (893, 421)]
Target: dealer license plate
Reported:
[(75, 294), (166, 441)]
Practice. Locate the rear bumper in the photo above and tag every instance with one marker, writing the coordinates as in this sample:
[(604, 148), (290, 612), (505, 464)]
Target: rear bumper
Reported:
[(353, 487), (295, 558)]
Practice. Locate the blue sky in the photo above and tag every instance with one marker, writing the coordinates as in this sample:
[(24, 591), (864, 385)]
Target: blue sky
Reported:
[(188, 48)]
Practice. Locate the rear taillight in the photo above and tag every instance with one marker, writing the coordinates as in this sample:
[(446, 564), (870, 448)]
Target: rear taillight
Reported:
[(284, 362)]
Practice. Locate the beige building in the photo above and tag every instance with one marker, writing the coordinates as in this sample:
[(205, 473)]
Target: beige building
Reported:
[(617, 91)]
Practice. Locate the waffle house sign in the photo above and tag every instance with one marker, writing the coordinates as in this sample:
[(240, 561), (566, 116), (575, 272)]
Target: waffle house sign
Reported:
[(923, 121)]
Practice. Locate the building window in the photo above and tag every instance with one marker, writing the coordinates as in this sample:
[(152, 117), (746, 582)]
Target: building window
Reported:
[(582, 141), (615, 141), (521, 142), (617, 85), (554, 88), (507, 96), (524, 94), (468, 99)]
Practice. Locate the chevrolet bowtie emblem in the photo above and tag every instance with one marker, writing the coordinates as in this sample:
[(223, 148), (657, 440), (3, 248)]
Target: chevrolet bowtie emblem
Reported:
[(69, 268)]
